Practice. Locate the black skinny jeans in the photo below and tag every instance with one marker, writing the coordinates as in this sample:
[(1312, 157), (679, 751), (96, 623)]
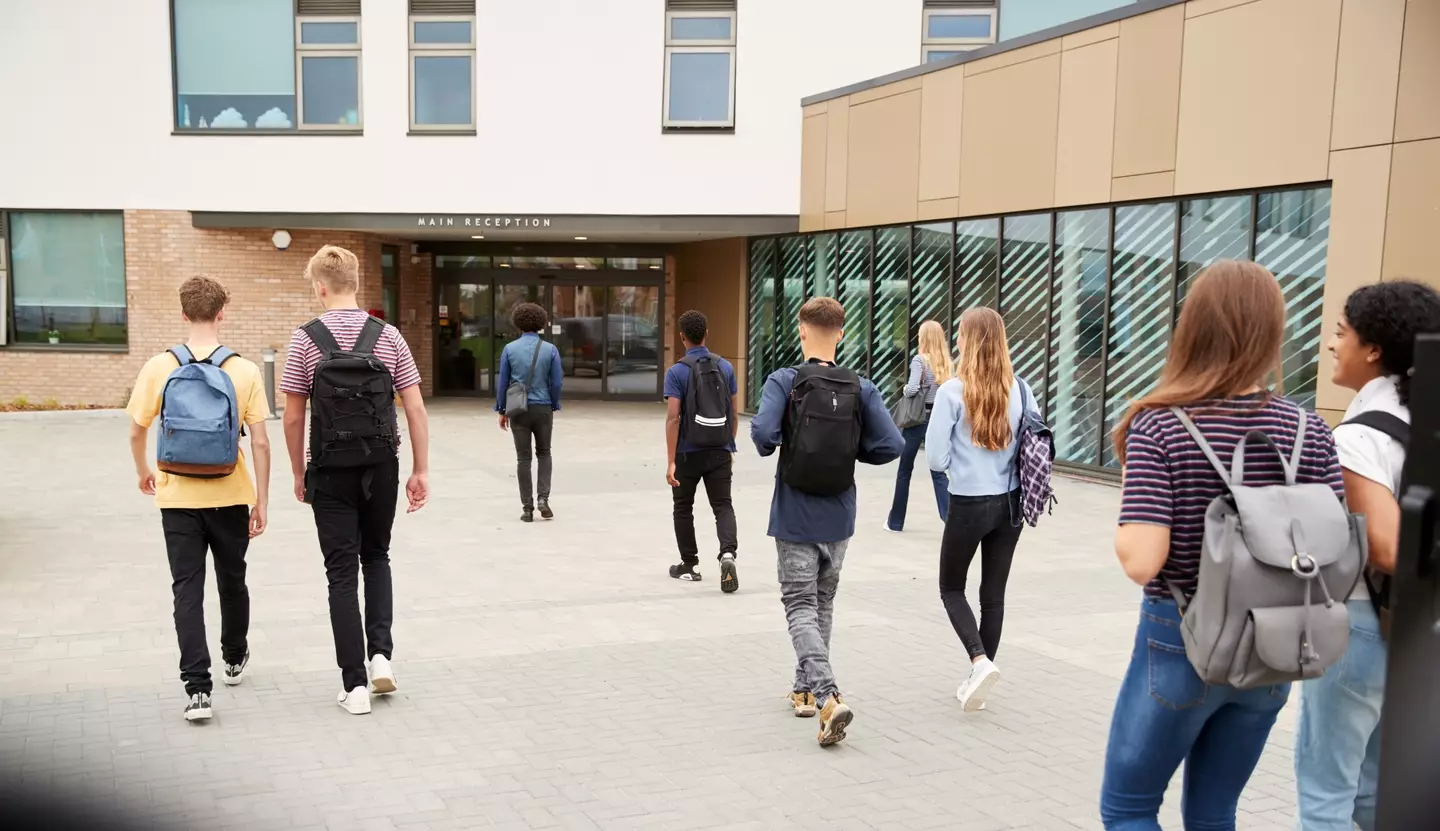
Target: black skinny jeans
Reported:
[(713, 467), (354, 511), (225, 532), (984, 523), (538, 423)]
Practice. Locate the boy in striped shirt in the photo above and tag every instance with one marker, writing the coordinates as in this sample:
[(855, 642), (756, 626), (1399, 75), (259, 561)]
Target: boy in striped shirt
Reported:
[(355, 506)]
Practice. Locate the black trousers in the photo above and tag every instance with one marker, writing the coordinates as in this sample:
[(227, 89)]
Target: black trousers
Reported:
[(984, 523), (713, 467), (538, 423), (354, 511), (225, 532)]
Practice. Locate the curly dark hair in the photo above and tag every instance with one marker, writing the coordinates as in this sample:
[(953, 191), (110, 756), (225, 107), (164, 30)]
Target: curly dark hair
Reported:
[(528, 317), (694, 326), (1388, 316)]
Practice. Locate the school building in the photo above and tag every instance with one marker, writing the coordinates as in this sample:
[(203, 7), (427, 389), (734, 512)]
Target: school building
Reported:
[(621, 162)]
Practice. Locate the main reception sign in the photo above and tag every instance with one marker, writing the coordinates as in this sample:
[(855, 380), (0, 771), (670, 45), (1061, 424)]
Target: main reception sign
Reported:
[(482, 222)]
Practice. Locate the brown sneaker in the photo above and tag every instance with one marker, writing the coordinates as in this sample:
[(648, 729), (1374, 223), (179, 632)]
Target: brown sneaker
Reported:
[(804, 704), (833, 721)]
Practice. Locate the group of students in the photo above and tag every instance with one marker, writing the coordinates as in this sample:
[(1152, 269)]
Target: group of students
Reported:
[(1214, 394)]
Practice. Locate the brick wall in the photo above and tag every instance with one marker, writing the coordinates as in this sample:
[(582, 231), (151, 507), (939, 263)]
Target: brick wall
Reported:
[(269, 298)]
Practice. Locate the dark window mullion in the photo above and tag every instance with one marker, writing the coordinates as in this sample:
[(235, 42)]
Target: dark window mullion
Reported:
[(1104, 407)]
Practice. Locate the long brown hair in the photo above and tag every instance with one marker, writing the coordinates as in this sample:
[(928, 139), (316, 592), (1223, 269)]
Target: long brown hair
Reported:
[(1227, 341), (986, 372)]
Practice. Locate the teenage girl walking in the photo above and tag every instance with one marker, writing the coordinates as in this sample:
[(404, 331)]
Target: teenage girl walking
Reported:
[(972, 436), (930, 368), (1225, 349)]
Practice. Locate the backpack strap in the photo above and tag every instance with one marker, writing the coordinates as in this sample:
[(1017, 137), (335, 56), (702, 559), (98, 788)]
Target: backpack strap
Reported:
[(1391, 425), (182, 354), (534, 359), (221, 355), (369, 336), (320, 336), (1204, 445)]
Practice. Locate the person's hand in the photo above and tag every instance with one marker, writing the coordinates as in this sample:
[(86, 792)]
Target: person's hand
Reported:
[(504, 422), (299, 488), (670, 476), (147, 481), (417, 490), (257, 521)]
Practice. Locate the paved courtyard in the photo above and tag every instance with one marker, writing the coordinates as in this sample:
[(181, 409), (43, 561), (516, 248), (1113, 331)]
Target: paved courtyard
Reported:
[(552, 675)]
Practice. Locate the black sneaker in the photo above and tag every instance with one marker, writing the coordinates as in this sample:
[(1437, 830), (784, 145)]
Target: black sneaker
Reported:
[(729, 580), (527, 515), (235, 673), (199, 707), (686, 572), (544, 506)]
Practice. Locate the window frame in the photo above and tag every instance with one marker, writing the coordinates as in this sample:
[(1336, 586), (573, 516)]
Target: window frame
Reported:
[(682, 46), (938, 44), (927, 49), (442, 50), (8, 341), (329, 50)]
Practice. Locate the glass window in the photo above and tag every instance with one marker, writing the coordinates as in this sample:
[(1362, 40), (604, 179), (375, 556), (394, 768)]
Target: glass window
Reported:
[(890, 352), (455, 261), (330, 90), (761, 322), (1142, 292), (699, 70), (442, 73), (934, 55), (234, 65), (959, 26), (1077, 332), (930, 277), (1025, 297), (329, 33), (1292, 240), (390, 285), (823, 274), (854, 295), (1210, 230), (68, 277), (794, 277), (565, 263), (636, 263), (977, 266)]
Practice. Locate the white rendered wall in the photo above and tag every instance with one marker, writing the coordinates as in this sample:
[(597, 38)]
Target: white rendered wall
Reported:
[(568, 114)]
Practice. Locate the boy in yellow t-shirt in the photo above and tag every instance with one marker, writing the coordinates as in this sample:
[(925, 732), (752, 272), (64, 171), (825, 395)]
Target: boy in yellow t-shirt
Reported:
[(200, 514)]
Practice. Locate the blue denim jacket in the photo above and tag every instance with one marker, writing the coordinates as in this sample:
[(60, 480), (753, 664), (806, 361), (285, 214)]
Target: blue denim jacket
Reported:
[(515, 363)]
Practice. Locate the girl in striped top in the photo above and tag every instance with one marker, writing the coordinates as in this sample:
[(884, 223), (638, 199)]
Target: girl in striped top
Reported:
[(1225, 347), (930, 368)]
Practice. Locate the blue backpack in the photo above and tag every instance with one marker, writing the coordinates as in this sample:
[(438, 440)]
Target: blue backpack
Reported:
[(199, 417)]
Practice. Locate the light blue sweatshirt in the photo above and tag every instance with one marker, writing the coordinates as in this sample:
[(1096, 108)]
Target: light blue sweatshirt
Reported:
[(974, 471)]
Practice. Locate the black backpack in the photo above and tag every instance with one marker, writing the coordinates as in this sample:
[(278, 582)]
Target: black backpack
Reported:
[(352, 401), (1378, 581), (821, 432), (707, 419)]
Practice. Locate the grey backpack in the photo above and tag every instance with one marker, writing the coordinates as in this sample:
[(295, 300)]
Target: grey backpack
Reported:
[(1277, 564)]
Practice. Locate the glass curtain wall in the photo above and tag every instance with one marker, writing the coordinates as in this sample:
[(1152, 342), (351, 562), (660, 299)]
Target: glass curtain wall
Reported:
[(1089, 296)]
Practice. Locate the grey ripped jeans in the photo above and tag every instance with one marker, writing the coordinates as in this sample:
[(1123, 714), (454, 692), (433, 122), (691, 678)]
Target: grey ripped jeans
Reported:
[(809, 576)]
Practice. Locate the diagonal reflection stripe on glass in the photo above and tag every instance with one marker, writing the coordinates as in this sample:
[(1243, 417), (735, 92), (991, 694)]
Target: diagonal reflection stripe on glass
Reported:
[(1077, 332), (1025, 297), (1211, 230), (889, 343), (823, 266), (761, 318), (1292, 240), (930, 276), (794, 270), (854, 295), (977, 267), (1141, 301)]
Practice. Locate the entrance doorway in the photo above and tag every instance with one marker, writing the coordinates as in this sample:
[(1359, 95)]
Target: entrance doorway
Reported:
[(606, 327)]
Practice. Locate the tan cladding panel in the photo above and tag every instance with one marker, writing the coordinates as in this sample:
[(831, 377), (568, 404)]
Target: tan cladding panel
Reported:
[(837, 143), (1367, 73), (883, 160), (1239, 132), (1417, 114), (1412, 233), (1147, 92), (1087, 124), (941, 100), (812, 172), (710, 277), (1007, 157)]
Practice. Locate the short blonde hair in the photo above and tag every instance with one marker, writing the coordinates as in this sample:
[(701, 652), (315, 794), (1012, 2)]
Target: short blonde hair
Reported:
[(336, 267)]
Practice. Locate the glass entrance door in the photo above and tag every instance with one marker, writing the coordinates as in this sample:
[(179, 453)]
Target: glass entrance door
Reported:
[(464, 338)]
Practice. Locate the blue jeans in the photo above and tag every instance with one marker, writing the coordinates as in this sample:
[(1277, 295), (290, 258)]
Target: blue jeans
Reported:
[(1337, 752), (1166, 715), (913, 436)]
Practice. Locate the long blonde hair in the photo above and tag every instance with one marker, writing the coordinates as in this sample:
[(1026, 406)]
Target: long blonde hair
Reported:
[(986, 372), (935, 352)]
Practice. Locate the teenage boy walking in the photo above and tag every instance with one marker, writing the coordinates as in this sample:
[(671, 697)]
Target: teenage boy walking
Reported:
[(213, 512), (353, 471), (702, 398), (812, 514)]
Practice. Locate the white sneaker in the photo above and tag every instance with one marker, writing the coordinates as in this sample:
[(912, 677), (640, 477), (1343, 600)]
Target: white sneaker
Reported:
[(983, 676), (356, 702), (886, 526), (382, 677)]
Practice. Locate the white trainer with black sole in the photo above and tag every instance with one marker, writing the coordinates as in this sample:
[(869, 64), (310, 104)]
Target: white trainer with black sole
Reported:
[(235, 673), (382, 677), (356, 702), (729, 579), (199, 707)]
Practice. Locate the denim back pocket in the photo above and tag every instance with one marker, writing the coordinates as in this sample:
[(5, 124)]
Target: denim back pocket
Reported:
[(1173, 681)]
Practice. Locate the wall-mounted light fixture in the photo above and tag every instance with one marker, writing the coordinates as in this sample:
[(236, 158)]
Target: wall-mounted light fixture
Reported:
[(281, 239)]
